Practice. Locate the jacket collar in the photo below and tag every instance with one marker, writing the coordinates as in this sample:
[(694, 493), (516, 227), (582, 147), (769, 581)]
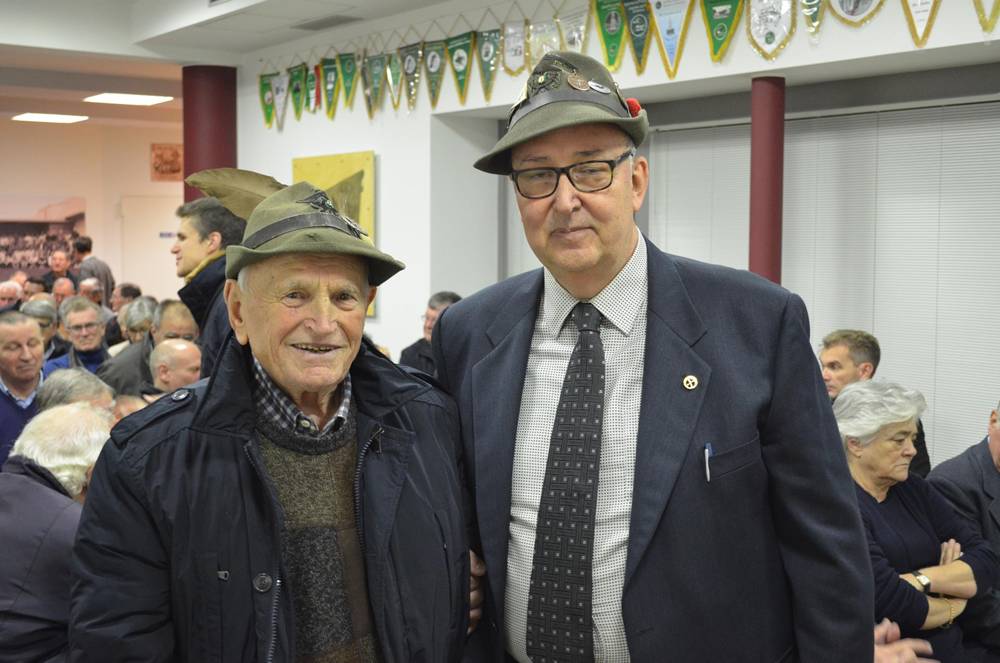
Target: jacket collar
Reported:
[(28, 468), (199, 292)]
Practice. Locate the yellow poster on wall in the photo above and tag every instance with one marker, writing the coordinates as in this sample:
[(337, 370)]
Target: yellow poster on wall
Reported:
[(349, 180)]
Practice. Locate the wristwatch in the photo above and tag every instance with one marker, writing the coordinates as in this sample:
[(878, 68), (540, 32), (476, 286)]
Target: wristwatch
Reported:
[(925, 582)]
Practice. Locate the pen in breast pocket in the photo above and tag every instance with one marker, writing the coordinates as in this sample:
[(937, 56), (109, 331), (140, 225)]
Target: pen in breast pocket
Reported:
[(709, 452)]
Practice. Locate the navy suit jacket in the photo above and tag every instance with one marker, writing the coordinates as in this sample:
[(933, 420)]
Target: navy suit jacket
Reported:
[(765, 562)]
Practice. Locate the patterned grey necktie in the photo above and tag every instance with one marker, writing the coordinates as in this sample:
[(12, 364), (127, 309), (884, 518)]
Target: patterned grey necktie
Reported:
[(560, 626)]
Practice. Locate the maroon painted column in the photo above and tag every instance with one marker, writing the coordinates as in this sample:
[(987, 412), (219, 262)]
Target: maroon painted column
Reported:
[(209, 120), (767, 163)]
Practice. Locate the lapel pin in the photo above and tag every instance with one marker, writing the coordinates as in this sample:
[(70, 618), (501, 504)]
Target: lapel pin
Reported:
[(690, 382)]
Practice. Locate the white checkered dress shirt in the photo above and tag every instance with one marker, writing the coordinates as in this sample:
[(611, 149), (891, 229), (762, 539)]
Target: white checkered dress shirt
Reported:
[(276, 406), (623, 333)]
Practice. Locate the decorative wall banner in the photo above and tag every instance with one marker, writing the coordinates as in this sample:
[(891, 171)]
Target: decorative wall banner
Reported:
[(394, 78), (770, 25), (573, 26), (987, 19), (513, 47), (543, 37), (297, 87), (331, 84), (373, 81), (672, 18), (279, 91), (313, 99), (855, 12), (267, 99), (812, 14), (488, 49), (611, 30), (920, 15), (460, 49), (348, 63), (721, 20), (638, 18), (412, 57), (434, 55)]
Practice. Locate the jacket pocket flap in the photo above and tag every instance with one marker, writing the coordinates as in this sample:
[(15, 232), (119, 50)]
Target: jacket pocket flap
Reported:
[(735, 458)]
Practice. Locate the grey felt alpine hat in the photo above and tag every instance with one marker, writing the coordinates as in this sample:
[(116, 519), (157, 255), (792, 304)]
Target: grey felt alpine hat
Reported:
[(565, 89)]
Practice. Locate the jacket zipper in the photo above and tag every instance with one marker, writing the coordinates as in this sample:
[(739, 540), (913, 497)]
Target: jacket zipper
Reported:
[(377, 433), (273, 644)]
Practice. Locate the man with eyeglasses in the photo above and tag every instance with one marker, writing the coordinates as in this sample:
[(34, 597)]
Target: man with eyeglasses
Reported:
[(128, 372), (21, 349), (80, 321), (654, 463), (419, 355)]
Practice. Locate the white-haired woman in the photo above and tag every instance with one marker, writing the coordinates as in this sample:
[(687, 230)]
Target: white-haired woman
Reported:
[(41, 487), (926, 561)]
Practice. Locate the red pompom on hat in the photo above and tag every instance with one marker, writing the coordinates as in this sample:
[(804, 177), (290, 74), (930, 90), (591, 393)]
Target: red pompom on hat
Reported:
[(633, 106)]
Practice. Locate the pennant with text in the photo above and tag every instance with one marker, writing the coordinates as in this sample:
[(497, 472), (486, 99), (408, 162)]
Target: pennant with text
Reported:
[(920, 15), (573, 26), (331, 85), (721, 19), (460, 58), (267, 99), (611, 29), (488, 50), (434, 56), (297, 87), (770, 25), (513, 47), (373, 81), (279, 90), (543, 37), (637, 18), (412, 57), (672, 18), (348, 63), (394, 78)]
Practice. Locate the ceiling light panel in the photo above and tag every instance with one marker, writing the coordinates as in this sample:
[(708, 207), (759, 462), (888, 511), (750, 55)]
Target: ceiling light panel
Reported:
[(127, 99), (49, 117)]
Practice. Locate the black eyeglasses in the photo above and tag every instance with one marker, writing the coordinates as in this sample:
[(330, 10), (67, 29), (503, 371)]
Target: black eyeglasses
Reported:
[(586, 177)]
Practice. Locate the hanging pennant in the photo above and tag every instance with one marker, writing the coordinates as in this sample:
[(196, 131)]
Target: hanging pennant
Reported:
[(610, 28), (310, 90), (513, 47), (267, 99), (812, 14), (770, 25), (297, 88), (543, 37), (488, 50), (394, 78), (331, 84), (573, 27), (348, 63), (988, 20), (434, 55), (372, 80), (460, 49), (637, 17), (920, 15), (855, 12), (412, 57), (317, 90), (721, 19), (672, 18), (279, 90)]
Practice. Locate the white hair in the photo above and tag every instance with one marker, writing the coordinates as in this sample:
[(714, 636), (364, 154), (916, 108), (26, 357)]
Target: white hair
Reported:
[(18, 290), (863, 408), (66, 440)]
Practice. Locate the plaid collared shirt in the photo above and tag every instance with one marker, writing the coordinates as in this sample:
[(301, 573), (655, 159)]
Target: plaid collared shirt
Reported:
[(275, 405)]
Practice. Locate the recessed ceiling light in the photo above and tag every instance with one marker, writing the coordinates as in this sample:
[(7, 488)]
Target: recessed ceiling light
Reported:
[(49, 117), (127, 99)]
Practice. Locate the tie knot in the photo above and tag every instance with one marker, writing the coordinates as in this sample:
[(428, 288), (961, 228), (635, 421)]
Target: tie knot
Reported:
[(586, 317)]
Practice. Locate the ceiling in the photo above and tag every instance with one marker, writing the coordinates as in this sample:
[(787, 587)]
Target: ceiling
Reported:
[(44, 78)]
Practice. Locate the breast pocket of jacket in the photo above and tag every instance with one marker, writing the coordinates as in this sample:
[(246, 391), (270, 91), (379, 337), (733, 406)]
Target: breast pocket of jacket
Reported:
[(730, 461)]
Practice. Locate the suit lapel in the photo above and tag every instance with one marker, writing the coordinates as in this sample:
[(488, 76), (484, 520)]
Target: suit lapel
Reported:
[(497, 382), (990, 478), (668, 412)]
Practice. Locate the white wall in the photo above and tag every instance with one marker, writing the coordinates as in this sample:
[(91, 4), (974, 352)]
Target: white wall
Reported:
[(100, 163)]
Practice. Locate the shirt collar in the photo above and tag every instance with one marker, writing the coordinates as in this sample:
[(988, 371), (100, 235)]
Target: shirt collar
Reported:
[(276, 405), (25, 402), (619, 302)]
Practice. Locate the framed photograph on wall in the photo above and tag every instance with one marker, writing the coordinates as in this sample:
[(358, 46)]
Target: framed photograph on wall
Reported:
[(166, 162)]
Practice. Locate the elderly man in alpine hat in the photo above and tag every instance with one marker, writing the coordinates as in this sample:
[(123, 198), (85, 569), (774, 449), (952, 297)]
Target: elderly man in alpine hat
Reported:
[(305, 504)]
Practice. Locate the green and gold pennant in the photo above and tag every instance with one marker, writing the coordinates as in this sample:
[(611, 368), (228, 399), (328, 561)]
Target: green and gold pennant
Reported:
[(297, 88), (412, 57), (373, 79), (312, 88), (611, 28), (721, 18), (348, 63), (434, 56), (394, 78), (488, 52), (812, 14), (460, 48), (639, 21), (331, 85), (267, 99)]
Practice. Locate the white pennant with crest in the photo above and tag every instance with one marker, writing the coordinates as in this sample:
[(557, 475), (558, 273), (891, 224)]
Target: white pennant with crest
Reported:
[(920, 15), (770, 25), (513, 47), (573, 24), (856, 12), (279, 89)]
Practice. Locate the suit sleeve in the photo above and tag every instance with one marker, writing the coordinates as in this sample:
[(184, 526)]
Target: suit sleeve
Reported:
[(120, 607), (814, 506), (976, 552)]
